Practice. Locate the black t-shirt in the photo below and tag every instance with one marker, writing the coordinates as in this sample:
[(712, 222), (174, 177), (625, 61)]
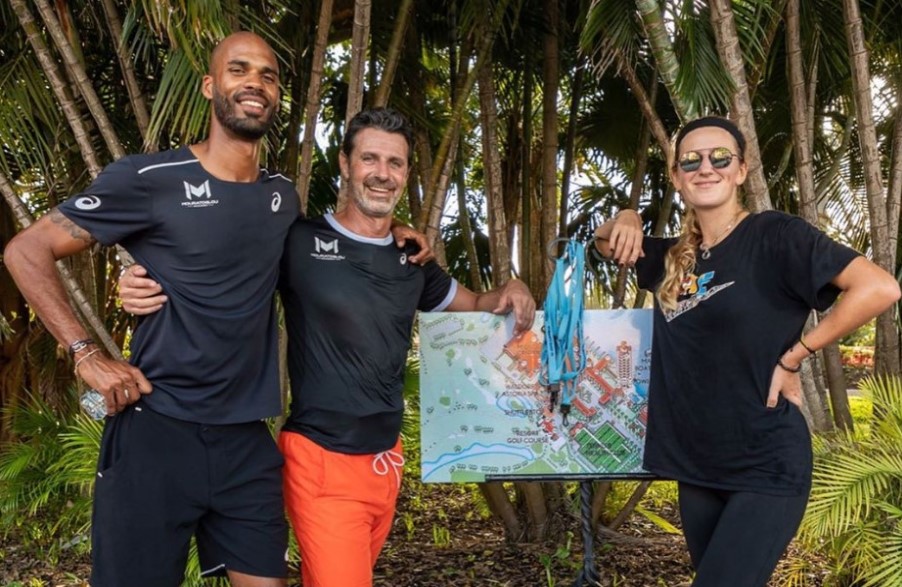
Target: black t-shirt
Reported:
[(214, 246), (713, 358), (350, 302)]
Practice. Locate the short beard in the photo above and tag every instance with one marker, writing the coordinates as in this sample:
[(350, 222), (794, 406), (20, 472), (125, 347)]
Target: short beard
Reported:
[(247, 128)]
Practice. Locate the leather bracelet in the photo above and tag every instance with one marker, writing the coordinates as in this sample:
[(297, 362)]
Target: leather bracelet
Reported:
[(783, 366), (79, 345)]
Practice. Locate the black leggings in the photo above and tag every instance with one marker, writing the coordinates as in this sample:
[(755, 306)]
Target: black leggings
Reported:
[(736, 538)]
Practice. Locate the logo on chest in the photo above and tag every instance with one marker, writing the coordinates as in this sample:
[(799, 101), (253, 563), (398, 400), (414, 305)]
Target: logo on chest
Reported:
[(695, 289), (198, 196), (326, 250)]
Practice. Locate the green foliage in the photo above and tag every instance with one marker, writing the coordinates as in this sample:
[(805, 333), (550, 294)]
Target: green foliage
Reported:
[(854, 513), (46, 476), (864, 335), (562, 555)]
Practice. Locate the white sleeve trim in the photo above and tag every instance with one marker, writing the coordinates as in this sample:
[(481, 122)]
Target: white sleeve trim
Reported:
[(449, 297)]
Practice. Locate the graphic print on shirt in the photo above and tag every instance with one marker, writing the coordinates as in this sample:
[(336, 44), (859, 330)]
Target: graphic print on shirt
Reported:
[(326, 249), (696, 287), (195, 195)]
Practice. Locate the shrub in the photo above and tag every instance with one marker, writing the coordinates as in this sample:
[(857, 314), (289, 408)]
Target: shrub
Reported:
[(854, 512)]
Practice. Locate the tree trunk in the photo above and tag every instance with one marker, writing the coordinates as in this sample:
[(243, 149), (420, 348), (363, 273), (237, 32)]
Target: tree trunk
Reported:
[(444, 150), (466, 228), (525, 156), (422, 145), (405, 14), (630, 505), (638, 184), (81, 79), (534, 499), (360, 40), (894, 192), (550, 77), (773, 26), (135, 95), (576, 94), (649, 112), (886, 356), (58, 86), (499, 245), (303, 60), (804, 167), (665, 58), (499, 503), (740, 103), (311, 112)]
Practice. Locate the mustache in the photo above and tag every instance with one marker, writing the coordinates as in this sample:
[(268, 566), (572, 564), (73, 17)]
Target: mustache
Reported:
[(256, 94), (380, 184)]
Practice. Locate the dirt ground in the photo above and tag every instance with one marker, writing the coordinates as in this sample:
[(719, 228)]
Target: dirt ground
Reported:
[(440, 538)]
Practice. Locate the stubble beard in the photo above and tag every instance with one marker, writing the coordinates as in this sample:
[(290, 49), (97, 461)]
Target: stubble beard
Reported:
[(252, 129)]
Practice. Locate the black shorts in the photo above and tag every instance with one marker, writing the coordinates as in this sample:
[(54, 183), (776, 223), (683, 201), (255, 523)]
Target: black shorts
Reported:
[(160, 481)]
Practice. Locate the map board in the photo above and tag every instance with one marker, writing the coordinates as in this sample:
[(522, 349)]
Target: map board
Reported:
[(484, 415)]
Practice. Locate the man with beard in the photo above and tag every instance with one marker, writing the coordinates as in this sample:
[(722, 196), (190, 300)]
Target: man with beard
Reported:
[(348, 336), (194, 457)]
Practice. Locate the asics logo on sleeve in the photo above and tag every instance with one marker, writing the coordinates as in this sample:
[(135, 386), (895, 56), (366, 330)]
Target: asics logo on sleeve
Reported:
[(87, 203), (276, 201)]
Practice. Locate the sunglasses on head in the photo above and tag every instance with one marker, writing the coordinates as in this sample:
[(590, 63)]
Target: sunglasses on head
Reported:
[(719, 157)]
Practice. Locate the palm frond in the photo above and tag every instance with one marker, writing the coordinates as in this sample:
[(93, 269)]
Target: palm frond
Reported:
[(857, 488)]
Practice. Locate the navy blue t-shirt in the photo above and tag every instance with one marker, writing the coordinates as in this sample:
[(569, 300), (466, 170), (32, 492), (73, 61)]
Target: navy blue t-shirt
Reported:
[(214, 247), (350, 302), (714, 356)]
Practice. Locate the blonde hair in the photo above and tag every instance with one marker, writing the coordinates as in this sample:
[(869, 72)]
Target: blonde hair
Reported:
[(680, 261)]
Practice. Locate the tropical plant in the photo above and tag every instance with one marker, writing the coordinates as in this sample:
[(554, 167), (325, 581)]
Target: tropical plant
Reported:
[(46, 476), (854, 510)]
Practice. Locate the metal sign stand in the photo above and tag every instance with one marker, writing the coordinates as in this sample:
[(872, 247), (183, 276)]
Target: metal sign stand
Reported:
[(588, 575)]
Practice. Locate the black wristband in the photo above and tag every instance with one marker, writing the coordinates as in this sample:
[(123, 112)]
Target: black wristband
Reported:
[(783, 366), (80, 345)]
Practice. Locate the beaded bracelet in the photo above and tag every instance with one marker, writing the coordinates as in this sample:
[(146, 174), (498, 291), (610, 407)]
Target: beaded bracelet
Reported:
[(80, 345), (82, 359), (786, 368)]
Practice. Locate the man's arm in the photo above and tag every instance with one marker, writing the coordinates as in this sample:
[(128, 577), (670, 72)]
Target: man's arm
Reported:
[(513, 296), (31, 256)]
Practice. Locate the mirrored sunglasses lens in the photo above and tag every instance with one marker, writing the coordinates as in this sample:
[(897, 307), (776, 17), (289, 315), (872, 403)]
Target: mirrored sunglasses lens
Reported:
[(720, 158), (690, 161)]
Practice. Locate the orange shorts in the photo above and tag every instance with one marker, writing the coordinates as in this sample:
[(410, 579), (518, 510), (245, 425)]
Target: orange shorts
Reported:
[(341, 507)]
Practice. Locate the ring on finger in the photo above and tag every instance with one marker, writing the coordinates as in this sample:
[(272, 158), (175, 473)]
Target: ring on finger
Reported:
[(125, 391)]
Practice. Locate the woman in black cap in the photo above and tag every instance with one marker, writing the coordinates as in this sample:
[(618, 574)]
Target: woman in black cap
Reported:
[(732, 294)]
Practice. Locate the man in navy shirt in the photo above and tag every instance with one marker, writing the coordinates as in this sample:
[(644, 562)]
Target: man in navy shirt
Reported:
[(348, 337), (194, 456), (349, 333)]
